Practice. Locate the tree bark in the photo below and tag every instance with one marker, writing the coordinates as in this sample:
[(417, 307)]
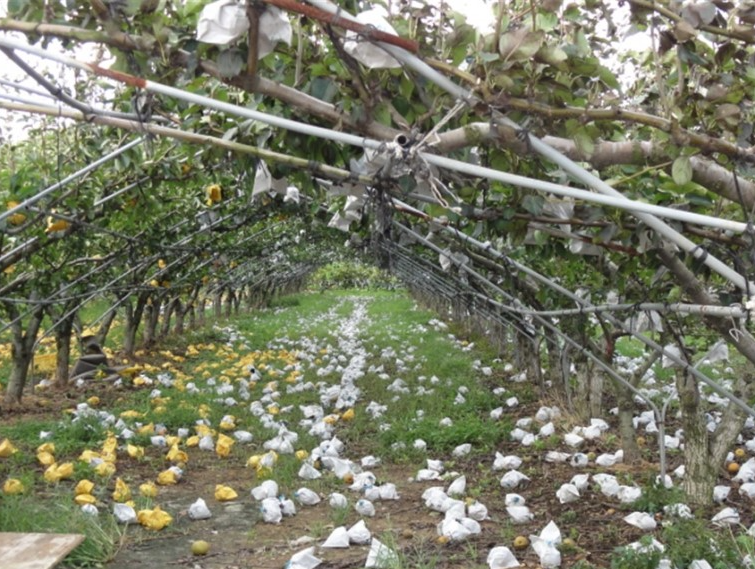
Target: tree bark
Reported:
[(22, 349), (229, 303), (704, 453), (152, 313), (105, 325), (181, 310), (597, 381), (170, 309), (700, 473), (581, 387), (217, 304), (133, 317), (63, 345), (625, 399)]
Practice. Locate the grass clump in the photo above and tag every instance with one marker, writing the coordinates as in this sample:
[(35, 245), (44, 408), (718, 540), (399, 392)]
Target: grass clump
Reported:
[(58, 514)]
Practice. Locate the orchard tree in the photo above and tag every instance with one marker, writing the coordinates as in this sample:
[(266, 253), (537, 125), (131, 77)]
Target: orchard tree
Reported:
[(666, 121)]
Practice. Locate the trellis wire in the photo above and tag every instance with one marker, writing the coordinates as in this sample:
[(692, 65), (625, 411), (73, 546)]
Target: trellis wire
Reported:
[(582, 302), (618, 201), (68, 179), (412, 61), (554, 329)]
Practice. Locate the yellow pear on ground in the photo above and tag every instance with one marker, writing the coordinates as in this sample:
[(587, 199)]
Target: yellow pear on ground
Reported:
[(199, 547)]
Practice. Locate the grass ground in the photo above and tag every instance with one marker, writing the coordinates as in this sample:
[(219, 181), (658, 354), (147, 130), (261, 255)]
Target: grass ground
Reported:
[(414, 374)]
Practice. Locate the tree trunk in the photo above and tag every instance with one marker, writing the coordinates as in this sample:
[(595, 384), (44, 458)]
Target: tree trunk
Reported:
[(180, 309), (705, 453), (105, 325), (581, 388), (63, 345), (22, 349), (626, 425), (170, 309), (699, 473), (217, 304), (152, 317), (133, 317), (555, 375), (237, 303), (597, 380), (200, 308), (625, 399), (229, 299)]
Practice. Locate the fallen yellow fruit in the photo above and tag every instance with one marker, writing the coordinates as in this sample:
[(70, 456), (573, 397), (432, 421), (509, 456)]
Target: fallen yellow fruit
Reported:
[(135, 451), (110, 445), (199, 547), (46, 447), (223, 445), (521, 542), (148, 490), (225, 493), (166, 478), (122, 492), (177, 455), (88, 455), (13, 486), (130, 414), (57, 472), (154, 519), (7, 448), (105, 469), (82, 499), (45, 458), (84, 487), (130, 371)]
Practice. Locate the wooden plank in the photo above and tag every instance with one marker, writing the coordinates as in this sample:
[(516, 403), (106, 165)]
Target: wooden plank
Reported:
[(36, 550)]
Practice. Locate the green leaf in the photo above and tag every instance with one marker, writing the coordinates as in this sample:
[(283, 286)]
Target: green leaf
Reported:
[(681, 170), (14, 6), (487, 57), (698, 199), (552, 55), (406, 87), (547, 21), (533, 203), (520, 44), (607, 76), (584, 142), (324, 88)]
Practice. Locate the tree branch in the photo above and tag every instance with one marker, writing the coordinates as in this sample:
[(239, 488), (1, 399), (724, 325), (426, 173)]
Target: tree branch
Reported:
[(747, 37), (253, 15), (705, 172), (742, 340)]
